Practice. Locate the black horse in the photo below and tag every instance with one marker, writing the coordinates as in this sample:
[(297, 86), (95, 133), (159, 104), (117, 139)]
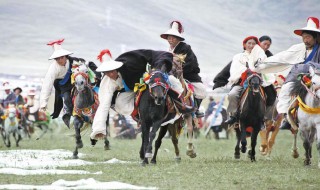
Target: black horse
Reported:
[(153, 111), (252, 110)]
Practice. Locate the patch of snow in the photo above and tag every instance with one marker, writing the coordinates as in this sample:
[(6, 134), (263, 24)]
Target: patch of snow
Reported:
[(80, 184), (17, 171)]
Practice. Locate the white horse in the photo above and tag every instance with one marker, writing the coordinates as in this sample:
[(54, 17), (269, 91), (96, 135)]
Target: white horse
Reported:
[(11, 126), (308, 114)]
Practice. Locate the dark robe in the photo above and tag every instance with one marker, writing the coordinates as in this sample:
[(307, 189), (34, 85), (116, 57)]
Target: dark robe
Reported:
[(191, 68), (135, 62), (60, 89)]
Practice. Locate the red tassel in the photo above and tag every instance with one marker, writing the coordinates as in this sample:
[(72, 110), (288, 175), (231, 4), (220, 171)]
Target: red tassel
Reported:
[(102, 53), (59, 42), (180, 27)]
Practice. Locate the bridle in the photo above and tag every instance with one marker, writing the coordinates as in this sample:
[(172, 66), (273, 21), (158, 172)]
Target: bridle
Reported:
[(159, 83)]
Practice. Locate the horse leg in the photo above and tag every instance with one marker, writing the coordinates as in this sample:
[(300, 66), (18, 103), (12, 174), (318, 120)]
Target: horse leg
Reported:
[(243, 138), (237, 148), (295, 153), (44, 128), (318, 144), (272, 139), (145, 140), (254, 136), (106, 141), (162, 133), (263, 136), (155, 127), (190, 148), (8, 143), (173, 132), (77, 123)]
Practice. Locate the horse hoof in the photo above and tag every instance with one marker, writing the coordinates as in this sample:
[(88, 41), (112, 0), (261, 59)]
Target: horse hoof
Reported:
[(307, 162), (106, 147), (93, 141), (243, 149), (253, 159), (237, 156), (178, 159), (191, 154), (153, 162), (148, 155), (75, 157), (295, 154)]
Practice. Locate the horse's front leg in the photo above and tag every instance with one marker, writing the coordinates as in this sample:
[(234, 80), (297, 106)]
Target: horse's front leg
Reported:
[(162, 133), (254, 143), (243, 138), (156, 125), (145, 141), (77, 123), (173, 133), (272, 139), (318, 143), (237, 148), (190, 148)]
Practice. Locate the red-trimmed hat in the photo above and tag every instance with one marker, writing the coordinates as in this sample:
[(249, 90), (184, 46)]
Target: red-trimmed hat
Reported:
[(312, 25), (250, 38), (176, 29), (107, 63), (58, 50)]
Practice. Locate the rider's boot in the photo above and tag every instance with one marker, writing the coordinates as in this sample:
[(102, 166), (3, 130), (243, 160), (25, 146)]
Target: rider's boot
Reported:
[(68, 107), (198, 113), (234, 117), (285, 124)]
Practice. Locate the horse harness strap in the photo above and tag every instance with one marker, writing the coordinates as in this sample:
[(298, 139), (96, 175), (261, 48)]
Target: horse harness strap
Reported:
[(89, 111), (306, 108)]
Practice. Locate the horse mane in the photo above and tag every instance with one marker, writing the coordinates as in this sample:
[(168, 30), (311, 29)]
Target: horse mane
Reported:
[(298, 89)]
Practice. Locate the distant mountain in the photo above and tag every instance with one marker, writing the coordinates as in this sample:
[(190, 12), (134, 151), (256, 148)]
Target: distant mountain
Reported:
[(214, 29)]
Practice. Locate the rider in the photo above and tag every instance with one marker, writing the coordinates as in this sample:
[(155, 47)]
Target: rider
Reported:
[(121, 75), (19, 99), (252, 53), (191, 68), (299, 55), (9, 96), (221, 79), (32, 104), (58, 75)]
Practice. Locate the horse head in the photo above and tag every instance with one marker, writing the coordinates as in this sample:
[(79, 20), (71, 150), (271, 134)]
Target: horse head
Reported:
[(177, 66), (314, 80), (158, 85), (254, 82), (80, 76), (11, 112)]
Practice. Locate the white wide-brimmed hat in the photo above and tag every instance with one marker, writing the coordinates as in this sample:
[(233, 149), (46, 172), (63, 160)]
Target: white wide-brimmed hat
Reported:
[(312, 25), (175, 30), (58, 50), (32, 92), (6, 86), (107, 63)]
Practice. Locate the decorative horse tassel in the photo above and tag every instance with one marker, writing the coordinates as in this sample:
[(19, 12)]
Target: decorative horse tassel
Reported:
[(177, 26), (59, 42), (102, 53)]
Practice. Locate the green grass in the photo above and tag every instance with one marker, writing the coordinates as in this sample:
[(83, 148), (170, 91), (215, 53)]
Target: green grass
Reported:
[(213, 168)]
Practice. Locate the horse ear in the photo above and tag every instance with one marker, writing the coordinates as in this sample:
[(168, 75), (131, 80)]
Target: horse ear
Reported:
[(311, 71), (164, 68)]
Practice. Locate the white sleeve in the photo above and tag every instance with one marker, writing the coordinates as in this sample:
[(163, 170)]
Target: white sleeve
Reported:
[(236, 69), (256, 54), (47, 85), (107, 88)]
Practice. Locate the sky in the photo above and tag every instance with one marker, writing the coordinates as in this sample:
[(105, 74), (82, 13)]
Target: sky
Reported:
[(214, 28)]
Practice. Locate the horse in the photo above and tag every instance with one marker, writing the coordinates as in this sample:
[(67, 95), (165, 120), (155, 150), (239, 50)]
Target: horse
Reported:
[(306, 105), (153, 111), (11, 126), (252, 110), (191, 121), (85, 102), (272, 123)]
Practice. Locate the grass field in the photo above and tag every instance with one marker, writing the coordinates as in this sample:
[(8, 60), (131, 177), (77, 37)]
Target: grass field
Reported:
[(213, 168)]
